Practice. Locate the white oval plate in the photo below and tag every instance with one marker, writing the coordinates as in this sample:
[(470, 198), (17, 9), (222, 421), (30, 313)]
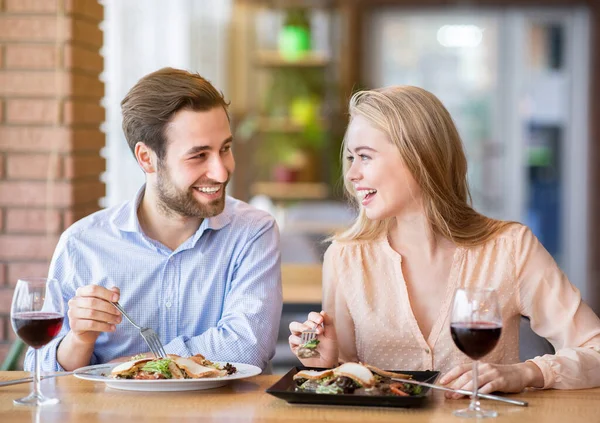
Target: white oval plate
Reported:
[(101, 373)]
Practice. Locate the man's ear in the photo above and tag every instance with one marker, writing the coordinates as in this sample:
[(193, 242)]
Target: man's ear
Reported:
[(145, 157)]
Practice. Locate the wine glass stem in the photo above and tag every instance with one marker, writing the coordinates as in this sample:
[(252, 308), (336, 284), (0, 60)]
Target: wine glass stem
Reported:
[(36, 377), (474, 399)]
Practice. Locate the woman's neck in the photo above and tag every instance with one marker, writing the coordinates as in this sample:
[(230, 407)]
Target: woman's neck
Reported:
[(412, 234)]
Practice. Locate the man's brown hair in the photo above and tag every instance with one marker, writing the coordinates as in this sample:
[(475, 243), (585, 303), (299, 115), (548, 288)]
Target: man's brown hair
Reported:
[(149, 106)]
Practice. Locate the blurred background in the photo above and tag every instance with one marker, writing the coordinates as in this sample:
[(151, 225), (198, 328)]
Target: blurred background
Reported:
[(521, 79)]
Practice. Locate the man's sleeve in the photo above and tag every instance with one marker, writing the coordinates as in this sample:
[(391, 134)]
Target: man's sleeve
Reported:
[(62, 268)]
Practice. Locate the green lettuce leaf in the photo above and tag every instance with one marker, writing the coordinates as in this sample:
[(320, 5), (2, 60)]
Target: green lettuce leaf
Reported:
[(311, 345), (159, 366)]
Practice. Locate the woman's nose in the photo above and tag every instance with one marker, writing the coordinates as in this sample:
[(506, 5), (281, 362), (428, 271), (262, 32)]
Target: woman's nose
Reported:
[(353, 173)]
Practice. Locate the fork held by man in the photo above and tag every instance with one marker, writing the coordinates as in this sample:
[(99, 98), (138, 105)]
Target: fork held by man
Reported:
[(149, 334)]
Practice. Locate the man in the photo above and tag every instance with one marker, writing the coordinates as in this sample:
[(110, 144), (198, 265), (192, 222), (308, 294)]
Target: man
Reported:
[(199, 267)]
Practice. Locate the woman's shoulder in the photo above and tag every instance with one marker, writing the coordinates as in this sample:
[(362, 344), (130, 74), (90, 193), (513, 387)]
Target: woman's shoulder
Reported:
[(520, 235), (349, 250), (514, 231), (514, 237)]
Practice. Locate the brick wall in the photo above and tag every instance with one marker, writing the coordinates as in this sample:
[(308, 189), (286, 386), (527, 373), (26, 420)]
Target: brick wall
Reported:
[(50, 139)]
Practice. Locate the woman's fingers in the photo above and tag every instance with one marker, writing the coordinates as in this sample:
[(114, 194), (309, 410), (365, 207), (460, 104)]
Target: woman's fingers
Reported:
[(454, 374), (489, 380), (297, 328), (315, 318), (294, 341), (313, 321), (457, 378)]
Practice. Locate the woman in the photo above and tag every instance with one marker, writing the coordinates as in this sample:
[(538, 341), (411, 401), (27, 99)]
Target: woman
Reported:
[(388, 280)]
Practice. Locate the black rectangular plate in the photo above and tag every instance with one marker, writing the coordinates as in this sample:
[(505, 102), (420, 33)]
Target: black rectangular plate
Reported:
[(284, 389)]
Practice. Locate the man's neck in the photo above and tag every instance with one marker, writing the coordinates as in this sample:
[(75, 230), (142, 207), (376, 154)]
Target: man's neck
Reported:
[(168, 228)]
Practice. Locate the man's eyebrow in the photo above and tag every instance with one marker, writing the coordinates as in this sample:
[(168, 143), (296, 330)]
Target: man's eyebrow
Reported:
[(201, 148)]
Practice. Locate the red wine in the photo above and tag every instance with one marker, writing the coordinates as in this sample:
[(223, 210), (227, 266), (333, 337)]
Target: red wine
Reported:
[(475, 339), (36, 329)]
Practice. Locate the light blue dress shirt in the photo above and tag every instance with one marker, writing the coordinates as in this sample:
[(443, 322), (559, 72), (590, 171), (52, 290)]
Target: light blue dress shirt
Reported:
[(217, 294)]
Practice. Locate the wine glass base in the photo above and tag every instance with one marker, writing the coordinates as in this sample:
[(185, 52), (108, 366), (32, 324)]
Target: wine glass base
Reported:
[(36, 400), (473, 413)]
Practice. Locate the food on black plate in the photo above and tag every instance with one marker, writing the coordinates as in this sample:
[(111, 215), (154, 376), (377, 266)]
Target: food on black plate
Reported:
[(354, 378)]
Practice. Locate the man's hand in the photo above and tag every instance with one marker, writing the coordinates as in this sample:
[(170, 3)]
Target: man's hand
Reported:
[(493, 378), (91, 313)]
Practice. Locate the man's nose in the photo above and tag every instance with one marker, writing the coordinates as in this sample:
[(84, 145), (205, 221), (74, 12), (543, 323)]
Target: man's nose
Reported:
[(218, 171)]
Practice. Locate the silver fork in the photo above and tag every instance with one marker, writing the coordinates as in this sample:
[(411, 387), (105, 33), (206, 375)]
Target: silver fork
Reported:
[(308, 335), (149, 335)]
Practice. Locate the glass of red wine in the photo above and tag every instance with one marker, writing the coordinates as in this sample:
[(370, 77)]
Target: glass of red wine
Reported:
[(37, 313), (476, 325)]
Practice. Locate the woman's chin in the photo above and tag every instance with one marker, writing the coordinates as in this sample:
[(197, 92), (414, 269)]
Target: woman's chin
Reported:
[(373, 214)]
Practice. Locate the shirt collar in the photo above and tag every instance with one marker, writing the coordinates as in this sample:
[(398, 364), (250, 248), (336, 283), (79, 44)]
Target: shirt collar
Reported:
[(126, 219)]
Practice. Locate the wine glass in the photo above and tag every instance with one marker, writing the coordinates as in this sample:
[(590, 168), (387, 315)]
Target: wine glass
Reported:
[(37, 313), (476, 325)]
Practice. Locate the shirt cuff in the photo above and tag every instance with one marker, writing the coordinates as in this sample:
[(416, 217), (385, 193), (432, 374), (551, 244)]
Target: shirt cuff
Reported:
[(52, 352), (547, 372), (178, 347)]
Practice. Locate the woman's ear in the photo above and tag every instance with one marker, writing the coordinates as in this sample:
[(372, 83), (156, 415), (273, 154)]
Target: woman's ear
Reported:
[(145, 157)]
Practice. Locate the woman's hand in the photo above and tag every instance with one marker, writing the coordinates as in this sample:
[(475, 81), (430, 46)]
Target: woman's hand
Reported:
[(493, 378), (327, 347)]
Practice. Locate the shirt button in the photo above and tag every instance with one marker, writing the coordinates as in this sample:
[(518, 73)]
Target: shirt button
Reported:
[(426, 350), (168, 304)]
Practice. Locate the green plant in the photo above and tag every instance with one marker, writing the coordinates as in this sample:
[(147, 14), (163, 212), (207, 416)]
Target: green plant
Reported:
[(289, 123), (295, 35), (289, 83), (297, 17), (295, 96)]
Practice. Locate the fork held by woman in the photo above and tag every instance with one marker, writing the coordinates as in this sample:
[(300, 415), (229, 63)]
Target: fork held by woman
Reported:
[(322, 325)]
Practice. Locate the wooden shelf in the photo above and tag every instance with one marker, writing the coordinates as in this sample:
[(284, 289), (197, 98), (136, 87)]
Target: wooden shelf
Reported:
[(268, 58), (281, 191), (288, 4)]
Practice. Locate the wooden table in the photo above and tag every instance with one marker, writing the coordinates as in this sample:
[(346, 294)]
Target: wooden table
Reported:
[(246, 401)]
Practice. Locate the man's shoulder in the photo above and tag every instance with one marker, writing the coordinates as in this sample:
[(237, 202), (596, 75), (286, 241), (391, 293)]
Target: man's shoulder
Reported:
[(100, 220), (244, 215)]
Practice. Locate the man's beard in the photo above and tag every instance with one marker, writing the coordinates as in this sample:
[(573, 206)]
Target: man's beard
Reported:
[(174, 200)]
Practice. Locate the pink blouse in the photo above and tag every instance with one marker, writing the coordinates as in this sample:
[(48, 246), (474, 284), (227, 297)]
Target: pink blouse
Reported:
[(365, 293)]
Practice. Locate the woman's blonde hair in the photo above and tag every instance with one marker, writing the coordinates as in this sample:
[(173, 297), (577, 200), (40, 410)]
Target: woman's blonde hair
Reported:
[(422, 129)]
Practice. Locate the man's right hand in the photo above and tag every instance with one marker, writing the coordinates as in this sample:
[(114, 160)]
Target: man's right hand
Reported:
[(91, 313), (327, 347)]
